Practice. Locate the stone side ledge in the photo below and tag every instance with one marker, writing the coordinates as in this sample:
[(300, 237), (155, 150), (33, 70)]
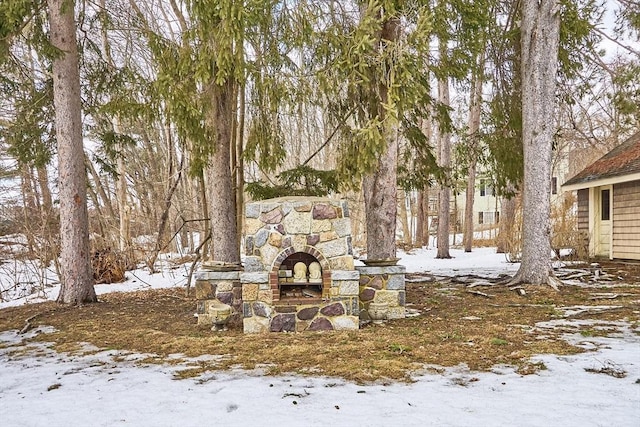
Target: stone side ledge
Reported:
[(393, 269), (345, 275), (217, 275), (254, 277)]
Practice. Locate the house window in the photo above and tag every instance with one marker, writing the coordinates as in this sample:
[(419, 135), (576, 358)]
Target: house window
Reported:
[(554, 185), (488, 217), (486, 189), (605, 200)]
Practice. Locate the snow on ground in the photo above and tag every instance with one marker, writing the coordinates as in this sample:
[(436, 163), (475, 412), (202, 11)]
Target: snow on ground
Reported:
[(51, 389), (484, 262), (25, 282), (39, 387)]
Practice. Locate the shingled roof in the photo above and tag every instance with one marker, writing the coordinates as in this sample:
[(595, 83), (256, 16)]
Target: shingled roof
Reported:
[(619, 162)]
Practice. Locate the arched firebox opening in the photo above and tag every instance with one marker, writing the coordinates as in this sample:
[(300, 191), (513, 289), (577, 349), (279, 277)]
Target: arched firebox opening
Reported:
[(301, 277)]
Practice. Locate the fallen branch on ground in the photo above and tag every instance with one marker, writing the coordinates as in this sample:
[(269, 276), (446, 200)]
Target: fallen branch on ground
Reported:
[(475, 285), (482, 294), (27, 324), (609, 368), (609, 296)]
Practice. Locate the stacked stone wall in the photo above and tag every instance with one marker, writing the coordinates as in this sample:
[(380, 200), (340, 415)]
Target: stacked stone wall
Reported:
[(222, 286), (383, 285)]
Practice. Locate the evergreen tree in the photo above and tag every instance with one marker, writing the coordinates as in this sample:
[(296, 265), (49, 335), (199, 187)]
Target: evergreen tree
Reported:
[(379, 187), (77, 274)]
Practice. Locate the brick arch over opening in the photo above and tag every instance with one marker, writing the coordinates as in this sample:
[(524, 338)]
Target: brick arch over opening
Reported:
[(326, 273), (308, 250)]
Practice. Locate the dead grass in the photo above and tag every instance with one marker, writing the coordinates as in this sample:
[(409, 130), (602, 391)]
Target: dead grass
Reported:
[(455, 327)]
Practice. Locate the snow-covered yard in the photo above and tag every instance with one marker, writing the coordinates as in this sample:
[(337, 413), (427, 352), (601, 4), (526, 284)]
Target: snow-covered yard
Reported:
[(39, 387)]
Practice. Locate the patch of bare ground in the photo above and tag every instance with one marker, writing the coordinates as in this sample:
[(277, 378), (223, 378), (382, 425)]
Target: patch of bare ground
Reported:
[(457, 324)]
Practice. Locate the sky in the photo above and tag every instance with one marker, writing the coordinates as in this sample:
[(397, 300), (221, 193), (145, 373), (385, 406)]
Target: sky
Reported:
[(39, 387)]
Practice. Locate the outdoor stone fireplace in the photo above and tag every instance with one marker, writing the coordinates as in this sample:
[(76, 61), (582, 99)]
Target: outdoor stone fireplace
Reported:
[(299, 272)]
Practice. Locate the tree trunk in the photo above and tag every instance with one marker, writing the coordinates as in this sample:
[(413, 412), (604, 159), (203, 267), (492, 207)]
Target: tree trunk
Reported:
[(379, 191), (106, 201), (468, 206), (91, 193), (507, 221), (239, 172), (380, 187), (425, 208), (474, 128), (404, 219), (358, 220), (444, 194), (226, 246), (28, 207), (421, 219), (77, 276), (47, 218), (43, 183), (124, 210), (540, 35), (423, 194), (206, 229)]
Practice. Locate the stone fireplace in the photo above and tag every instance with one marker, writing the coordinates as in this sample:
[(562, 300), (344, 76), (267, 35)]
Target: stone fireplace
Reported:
[(299, 270), (299, 273)]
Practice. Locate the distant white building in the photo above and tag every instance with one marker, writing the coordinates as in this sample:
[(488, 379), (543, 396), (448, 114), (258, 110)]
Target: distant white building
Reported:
[(486, 206)]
